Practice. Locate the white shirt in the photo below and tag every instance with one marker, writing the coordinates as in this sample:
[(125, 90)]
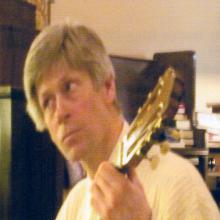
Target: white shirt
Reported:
[(174, 189)]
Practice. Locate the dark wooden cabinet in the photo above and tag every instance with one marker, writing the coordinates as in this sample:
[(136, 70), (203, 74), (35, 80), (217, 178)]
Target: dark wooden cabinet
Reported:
[(184, 62), (31, 169), (14, 44), (136, 77), (17, 30), (17, 13)]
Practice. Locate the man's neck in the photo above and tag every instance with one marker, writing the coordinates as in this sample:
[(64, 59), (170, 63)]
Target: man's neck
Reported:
[(109, 143)]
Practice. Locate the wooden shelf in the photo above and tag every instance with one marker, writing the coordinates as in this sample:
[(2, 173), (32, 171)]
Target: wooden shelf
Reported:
[(214, 150), (214, 106), (193, 151), (214, 173)]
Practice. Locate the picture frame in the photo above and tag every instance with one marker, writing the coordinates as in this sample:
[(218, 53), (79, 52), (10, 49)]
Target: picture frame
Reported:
[(43, 11)]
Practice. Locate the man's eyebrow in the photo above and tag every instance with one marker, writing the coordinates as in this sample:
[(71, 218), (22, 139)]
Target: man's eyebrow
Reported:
[(43, 93)]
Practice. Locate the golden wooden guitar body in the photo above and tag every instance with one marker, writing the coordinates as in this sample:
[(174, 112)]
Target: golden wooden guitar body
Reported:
[(148, 122)]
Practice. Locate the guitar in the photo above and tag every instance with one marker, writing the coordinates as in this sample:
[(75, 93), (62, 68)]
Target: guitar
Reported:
[(149, 126)]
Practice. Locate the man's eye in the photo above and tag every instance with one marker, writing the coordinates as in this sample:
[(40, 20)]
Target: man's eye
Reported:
[(70, 86), (47, 103)]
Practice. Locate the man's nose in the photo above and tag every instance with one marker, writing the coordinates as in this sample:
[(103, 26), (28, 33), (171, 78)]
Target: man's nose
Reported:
[(62, 108)]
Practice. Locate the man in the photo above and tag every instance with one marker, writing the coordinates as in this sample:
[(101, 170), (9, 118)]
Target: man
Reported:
[(70, 89)]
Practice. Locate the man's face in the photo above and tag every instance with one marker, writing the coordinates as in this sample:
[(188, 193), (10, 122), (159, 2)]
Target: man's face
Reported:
[(74, 111)]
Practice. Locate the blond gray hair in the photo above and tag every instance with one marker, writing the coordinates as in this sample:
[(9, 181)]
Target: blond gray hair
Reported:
[(78, 46)]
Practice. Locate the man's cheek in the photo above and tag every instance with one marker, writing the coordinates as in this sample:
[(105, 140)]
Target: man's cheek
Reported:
[(55, 138)]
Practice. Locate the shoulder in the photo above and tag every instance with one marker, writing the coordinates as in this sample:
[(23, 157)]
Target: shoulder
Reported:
[(74, 200), (179, 185), (169, 167), (177, 172), (80, 187), (174, 163), (78, 192), (180, 173)]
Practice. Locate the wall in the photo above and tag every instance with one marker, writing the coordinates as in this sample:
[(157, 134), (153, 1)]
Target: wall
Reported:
[(147, 26)]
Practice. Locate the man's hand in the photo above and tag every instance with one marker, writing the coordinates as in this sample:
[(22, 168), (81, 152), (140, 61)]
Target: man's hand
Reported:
[(116, 196)]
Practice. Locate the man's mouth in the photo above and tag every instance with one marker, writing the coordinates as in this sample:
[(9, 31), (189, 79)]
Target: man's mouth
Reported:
[(69, 134)]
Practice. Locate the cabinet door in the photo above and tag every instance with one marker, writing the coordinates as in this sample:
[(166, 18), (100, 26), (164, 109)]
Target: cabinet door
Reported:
[(5, 156), (31, 169)]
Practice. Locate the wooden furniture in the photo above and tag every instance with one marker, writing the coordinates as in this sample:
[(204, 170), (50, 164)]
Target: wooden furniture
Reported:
[(136, 77), (184, 63), (17, 29), (213, 174), (215, 107), (130, 83), (31, 170)]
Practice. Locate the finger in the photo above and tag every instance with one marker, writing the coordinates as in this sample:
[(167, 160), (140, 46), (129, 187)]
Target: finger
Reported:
[(97, 198), (108, 176), (104, 187), (102, 183), (133, 177), (102, 204)]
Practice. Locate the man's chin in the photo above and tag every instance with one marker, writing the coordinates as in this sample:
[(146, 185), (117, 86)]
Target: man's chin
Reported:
[(74, 154)]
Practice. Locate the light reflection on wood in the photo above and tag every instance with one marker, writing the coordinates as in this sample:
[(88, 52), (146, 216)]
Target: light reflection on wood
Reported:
[(42, 12)]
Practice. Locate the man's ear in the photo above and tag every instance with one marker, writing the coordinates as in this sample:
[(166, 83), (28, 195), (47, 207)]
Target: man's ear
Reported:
[(110, 89)]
